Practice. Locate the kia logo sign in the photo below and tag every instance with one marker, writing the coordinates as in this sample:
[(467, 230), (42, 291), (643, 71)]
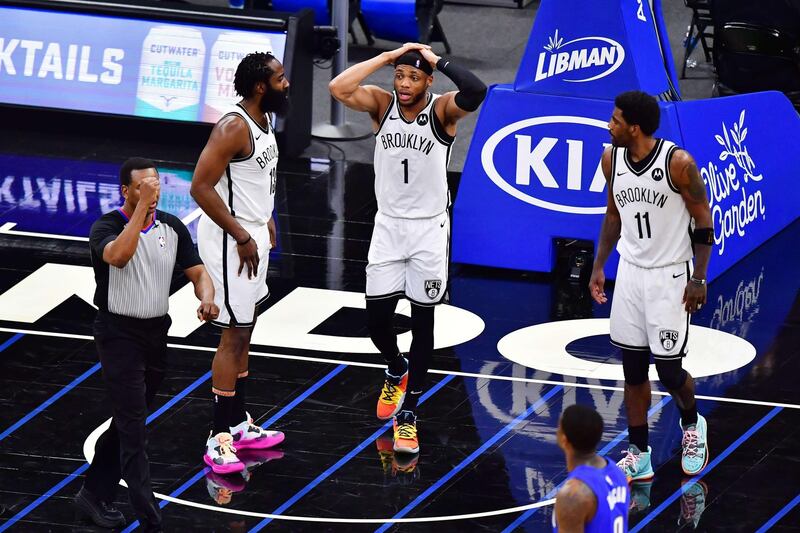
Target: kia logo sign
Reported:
[(551, 162)]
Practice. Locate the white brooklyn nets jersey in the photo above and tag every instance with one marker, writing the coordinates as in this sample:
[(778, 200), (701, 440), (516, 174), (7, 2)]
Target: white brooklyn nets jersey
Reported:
[(655, 221), (410, 162), (248, 185)]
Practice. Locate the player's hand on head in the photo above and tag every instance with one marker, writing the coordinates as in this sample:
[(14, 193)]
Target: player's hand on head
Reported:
[(248, 257), (395, 54), (596, 286), (429, 56)]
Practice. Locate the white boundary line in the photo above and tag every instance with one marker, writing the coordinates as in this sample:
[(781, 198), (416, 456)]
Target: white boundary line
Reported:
[(365, 364), (7, 229)]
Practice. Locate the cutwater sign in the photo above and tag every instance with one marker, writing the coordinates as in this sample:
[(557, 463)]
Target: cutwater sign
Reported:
[(580, 60)]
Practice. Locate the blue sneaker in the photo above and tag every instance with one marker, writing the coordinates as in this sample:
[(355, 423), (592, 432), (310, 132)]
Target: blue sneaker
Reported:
[(694, 447), (635, 464), (693, 503)]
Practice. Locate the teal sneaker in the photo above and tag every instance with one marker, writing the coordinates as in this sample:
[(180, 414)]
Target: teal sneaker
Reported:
[(640, 497), (635, 464), (694, 447), (693, 503)]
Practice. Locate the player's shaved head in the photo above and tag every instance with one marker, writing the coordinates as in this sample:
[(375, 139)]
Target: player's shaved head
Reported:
[(583, 428)]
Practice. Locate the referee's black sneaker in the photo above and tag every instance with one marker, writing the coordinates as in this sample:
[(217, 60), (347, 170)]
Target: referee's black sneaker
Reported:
[(101, 513)]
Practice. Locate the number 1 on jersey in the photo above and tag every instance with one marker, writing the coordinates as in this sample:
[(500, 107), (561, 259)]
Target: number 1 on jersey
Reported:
[(404, 162), (646, 217)]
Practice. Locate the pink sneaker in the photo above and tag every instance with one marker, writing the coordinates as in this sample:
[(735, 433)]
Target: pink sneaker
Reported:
[(221, 455), (249, 435)]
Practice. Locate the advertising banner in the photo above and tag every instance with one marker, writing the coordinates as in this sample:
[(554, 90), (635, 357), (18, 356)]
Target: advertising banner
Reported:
[(124, 66)]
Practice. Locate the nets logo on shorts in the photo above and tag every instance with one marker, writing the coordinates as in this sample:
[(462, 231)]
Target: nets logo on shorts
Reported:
[(668, 338), (432, 288)]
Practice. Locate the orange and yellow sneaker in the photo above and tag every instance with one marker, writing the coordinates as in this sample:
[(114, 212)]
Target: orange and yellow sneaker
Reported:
[(405, 433), (392, 394)]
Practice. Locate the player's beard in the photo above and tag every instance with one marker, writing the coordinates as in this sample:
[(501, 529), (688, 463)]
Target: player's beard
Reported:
[(275, 102)]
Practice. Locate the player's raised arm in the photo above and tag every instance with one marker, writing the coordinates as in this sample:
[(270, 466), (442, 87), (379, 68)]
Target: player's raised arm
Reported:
[(609, 235), (686, 177), (455, 105), (347, 88)]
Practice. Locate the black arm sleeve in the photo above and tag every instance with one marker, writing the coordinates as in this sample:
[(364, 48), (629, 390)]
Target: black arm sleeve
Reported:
[(471, 90)]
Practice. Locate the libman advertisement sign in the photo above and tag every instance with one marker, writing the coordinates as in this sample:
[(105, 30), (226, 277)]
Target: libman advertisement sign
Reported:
[(593, 49), (124, 66)]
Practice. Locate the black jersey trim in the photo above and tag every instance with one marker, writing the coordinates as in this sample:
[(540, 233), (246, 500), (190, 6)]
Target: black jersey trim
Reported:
[(385, 114), (225, 291), (400, 111), (230, 190), (239, 105), (653, 155), (385, 296), (613, 168), (438, 129), (670, 153), (249, 131), (629, 347)]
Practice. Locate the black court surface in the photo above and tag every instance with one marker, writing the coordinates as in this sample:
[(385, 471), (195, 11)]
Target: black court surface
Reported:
[(513, 351)]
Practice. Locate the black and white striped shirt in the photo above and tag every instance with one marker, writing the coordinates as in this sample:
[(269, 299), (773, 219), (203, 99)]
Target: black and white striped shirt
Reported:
[(141, 288)]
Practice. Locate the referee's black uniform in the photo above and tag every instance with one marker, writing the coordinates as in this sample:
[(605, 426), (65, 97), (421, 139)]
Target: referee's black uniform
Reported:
[(131, 336)]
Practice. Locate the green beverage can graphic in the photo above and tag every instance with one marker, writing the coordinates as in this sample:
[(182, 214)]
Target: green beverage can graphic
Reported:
[(171, 73), (226, 54)]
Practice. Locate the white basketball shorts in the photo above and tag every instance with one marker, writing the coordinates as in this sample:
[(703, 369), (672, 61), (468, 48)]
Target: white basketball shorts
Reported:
[(236, 296), (647, 310), (409, 256)]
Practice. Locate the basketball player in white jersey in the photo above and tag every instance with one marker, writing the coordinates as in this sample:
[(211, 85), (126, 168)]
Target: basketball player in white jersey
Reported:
[(408, 255), (234, 184), (655, 193)]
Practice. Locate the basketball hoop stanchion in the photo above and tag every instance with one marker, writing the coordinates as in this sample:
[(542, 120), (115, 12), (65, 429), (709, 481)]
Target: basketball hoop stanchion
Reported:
[(339, 129)]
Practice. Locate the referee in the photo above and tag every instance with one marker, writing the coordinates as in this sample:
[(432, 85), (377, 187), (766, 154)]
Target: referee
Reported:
[(134, 251)]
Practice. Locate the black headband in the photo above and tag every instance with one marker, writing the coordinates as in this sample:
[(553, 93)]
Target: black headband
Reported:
[(414, 59)]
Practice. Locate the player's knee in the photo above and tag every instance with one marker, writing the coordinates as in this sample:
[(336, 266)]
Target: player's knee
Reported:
[(380, 314), (671, 373), (234, 343), (422, 319), (635, 366)]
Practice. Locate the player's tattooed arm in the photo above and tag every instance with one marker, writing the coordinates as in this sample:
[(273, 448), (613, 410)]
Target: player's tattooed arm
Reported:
[(576, 505), (610, 232), (686, 177)]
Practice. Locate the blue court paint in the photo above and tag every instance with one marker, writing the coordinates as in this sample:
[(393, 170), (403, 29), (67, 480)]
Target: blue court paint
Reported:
[(271, 420), (607, 448), (471, 457), (81, 469), (730, 449), (338, 464), (44, 405), (11, 341), (780, 514), (38, 501)]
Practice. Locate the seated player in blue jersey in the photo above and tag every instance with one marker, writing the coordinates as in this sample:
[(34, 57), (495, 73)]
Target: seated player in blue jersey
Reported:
[(595, 497), (408, 254)]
